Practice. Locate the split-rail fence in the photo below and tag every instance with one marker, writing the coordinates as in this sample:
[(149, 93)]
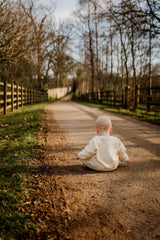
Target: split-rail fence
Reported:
[(116, 98), (14, 96)]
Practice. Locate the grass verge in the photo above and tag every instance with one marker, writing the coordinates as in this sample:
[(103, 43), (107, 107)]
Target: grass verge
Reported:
[(152, 117), (18, 145)]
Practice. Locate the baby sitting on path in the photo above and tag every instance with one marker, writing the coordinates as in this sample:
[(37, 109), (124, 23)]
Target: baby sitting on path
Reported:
[(103, 152)]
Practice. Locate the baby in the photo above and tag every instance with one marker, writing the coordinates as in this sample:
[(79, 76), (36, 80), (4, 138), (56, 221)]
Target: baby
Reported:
[(103, 152)]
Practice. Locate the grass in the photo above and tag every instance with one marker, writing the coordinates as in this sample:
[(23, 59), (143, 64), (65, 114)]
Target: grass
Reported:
[(18, 145), (140, 114)]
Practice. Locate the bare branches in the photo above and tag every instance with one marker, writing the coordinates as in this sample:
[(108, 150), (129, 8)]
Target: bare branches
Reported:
[(14, 32), (154, 7), (123, 38), (29, 47)]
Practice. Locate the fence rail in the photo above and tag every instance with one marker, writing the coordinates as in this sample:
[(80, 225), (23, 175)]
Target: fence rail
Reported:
[(111, 97), (13, 96)]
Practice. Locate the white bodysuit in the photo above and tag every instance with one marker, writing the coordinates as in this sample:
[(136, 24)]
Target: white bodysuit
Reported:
[(103, 153)]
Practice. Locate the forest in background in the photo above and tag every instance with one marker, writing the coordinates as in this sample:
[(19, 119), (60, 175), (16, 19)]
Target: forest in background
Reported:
[(32, 45), (117, 44)]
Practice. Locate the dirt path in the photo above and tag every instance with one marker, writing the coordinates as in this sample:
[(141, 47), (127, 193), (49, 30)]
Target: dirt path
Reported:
[(70, 201)]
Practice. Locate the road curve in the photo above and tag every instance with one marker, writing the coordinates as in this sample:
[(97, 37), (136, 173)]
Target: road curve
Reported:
[(130, 195)]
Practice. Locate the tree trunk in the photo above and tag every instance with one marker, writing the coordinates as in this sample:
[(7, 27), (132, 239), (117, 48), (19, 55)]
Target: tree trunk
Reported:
[(91, 51), (126, 68)]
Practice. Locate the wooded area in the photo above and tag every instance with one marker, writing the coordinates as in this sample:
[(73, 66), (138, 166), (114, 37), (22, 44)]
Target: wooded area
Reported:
[(33, 50), (107, 45), (119, 47)]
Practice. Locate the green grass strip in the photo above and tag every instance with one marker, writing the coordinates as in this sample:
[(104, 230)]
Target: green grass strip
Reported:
[(18, 144), (152, 117)]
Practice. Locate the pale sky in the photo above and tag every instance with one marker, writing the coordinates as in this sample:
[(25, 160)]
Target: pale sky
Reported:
[(64, 8)]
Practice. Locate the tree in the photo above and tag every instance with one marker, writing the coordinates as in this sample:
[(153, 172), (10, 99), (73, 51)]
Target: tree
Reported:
[(60, 58), (88, 22), (40, 35), (14, 33), (15, 39)]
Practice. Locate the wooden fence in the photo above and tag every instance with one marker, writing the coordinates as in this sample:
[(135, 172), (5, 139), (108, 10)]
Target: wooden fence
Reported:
[(116, 98), (14, 96)]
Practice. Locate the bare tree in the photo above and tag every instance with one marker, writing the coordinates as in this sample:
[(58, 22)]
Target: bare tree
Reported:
[(14, 33), (97, 60), (60, 58), (40, 27), (84, 14), (15, 39)]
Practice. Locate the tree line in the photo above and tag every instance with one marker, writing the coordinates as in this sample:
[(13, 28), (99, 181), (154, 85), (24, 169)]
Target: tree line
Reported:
[(34, 51), (108, 45), (119, 46)]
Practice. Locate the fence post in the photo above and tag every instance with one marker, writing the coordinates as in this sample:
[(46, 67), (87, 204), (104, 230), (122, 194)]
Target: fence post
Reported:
[(17, 97), (28, 96), (21, 96), (5, 97), (148, 99), (101, 96), (126, 97), (98, 96), (25, 92), (42, 96), (12, 97), (36, 95), (31, 95), (114, 97), (107, 96), (122, 98), (92, 97), (137, 95)]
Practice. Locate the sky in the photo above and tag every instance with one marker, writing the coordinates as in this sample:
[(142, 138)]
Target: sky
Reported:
[(64, 8)]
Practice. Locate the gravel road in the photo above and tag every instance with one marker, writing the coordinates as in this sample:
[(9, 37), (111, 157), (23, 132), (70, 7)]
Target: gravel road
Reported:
[(72, 202)]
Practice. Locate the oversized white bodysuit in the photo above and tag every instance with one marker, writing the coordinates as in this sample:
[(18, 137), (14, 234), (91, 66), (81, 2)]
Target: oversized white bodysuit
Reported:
[(103, 153)]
